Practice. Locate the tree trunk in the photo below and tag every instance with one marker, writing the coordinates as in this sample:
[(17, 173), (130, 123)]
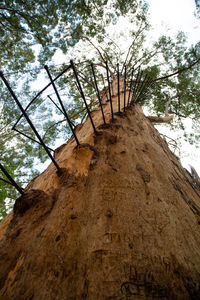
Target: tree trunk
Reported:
[(121, 221)]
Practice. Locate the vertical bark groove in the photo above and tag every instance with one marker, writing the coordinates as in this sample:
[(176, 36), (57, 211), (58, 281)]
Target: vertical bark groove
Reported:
[(121, 222)]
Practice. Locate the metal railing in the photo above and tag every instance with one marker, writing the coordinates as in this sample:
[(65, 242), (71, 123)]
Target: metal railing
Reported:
[(137, 90)]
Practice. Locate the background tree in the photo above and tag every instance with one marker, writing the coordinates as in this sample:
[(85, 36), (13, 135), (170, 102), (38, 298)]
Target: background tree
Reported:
[(31, 32)]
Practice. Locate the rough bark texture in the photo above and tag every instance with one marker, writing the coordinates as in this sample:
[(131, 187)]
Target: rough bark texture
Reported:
[(155, 119), (120, 222)]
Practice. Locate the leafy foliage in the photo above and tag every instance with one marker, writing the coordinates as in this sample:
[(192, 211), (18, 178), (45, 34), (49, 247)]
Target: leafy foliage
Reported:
[(88, 31), (30, 34)]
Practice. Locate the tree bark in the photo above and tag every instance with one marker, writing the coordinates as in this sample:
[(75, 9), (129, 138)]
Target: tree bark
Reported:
[(156, 119), (120, 222)]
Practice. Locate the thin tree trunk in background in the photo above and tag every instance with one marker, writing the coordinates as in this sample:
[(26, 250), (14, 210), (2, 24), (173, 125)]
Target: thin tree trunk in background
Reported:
[(121, 222)]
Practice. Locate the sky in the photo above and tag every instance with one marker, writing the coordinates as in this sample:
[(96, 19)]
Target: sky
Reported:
[(174, 15), (170, 16)]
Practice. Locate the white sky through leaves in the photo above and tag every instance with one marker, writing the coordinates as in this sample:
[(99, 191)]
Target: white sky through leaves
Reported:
[(176, 15)]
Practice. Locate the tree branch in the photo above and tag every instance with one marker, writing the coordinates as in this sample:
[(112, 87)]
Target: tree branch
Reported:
[(97, 49), (156, 119), (179, 71), (50, 127), (169, 99), (137, 34)]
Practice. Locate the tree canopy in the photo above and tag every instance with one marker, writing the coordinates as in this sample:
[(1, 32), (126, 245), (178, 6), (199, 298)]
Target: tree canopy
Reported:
[(51, 25), (87, 31), (31, 32)]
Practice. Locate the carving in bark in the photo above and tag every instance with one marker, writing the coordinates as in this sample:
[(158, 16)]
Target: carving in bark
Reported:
[(120, 222)]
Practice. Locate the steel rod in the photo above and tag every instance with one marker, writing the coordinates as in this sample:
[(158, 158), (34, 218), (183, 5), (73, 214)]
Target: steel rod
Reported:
[(61, 104), (105, 88), (118, 87), (124, 87), (138, 86), (142, 87), (28, 120), (77, 86), (112, 89), (140, 95), (12, 181), (6, 181), (55, 104), (149, 84), (111, 107), (98, 94), (135, 86), (82, 94), (30, 138), (130, 87), (39, 93)]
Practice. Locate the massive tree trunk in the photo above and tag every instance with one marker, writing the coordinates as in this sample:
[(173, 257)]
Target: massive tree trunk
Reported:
[(121, 221)]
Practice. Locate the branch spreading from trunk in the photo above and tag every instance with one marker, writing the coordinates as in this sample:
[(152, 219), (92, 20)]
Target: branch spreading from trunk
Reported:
[(156, 119), (179, 71)]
